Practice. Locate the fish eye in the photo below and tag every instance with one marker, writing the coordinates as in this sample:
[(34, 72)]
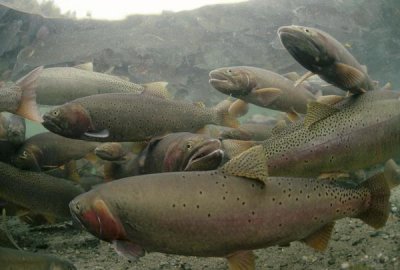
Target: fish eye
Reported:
[(189, 146), (306, 30), (24, 154), (229, 71), (56, 112)]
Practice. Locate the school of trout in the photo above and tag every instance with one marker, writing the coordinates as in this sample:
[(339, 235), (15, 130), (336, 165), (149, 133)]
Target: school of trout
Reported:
[(179, 177)]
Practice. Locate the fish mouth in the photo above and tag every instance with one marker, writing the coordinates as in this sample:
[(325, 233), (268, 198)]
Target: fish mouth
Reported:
[(305, 49), (220, 81), (51, 125), (208, 156)]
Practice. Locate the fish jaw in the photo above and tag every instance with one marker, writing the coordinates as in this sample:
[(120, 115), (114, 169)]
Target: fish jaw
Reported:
[(70, 120), (95, 216), (231, 81), (206, 157), (306, 45)]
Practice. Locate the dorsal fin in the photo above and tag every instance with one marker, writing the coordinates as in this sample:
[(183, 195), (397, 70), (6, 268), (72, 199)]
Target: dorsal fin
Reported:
[(330, 99), (317, 111), (319, 239), (279, 127), (85, 66), (252, 164)]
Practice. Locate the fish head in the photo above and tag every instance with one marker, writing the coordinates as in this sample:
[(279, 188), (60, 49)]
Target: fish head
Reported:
[(193, 152), (234, 81), (93, 213), (110, 151), (309, 46), (28, 158), (69, 120), (16, 131)]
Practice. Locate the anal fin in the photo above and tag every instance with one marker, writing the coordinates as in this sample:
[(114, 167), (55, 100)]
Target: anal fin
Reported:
[(241, 260), (319, 239)]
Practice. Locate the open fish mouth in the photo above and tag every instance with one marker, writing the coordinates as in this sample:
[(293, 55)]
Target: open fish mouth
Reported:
[(208, 156)]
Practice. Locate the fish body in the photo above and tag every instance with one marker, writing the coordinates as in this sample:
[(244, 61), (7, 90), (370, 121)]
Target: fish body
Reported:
[(131, 117), (322, 54), (38, 192), (181, 151), (257, 132), (48, 151), (217, 213), (354, 136), (58, 85), (20, 97), (261, 87), (12, 259)]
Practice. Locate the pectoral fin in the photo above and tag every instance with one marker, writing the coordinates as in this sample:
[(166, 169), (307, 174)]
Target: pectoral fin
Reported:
[(392, 173), (238, 108), (128, 249), (101, 134), (241, 260), (303, 78), (349, 76), (293, 76), (252, 164), (267, 95), (319, 239)]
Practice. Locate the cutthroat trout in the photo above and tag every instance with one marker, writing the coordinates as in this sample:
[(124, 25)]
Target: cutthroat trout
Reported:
[(262, 88), (38, 192), (12, 259), (356, 133), (58, 85), (131, 117), (323, 55), (223, 214), (181, 151), (47, 150), (20, 97)]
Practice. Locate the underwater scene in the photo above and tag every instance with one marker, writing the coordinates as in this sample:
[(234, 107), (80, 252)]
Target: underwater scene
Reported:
[(191, 135)]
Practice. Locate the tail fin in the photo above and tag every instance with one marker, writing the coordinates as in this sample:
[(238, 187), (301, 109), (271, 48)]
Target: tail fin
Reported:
[(378, 212), (28, 107), (223, 116)]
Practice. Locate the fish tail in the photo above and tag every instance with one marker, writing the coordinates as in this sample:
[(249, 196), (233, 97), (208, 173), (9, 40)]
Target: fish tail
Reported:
[(223, 116), (28, 107), (378, 212)]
